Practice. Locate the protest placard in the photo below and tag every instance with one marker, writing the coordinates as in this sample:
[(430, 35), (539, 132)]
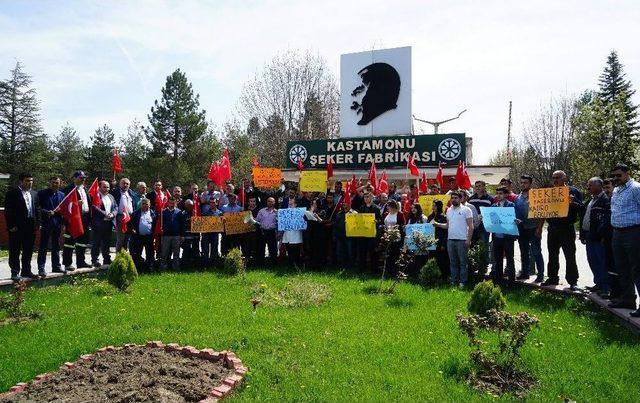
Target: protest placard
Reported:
[(549, 202), (291, 219), (234, 223), (499, 220), (207, 224), (267, 178), (361, 225), (313, 181), (426, 202), (427, 229)]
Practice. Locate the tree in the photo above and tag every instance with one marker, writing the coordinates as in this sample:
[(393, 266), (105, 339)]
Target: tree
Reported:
[(176, 121), (100, 153), (19, 117), (271, 143), (241, 152), (69, 151), (615, 88), (135, 154)]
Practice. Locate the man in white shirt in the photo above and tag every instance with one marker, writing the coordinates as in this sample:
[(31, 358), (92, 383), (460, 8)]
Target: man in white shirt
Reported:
[(81, 243), (102, 222), (460, 230), (124, 199)]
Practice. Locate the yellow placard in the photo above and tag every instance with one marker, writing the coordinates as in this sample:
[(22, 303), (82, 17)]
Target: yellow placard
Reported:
[(361, 225), (313, 181), (426, 202), (267, 178), (234, 223), (549, 202), (207, 224)]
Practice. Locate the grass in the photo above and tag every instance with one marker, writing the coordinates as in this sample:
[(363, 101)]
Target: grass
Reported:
[(356, 346)]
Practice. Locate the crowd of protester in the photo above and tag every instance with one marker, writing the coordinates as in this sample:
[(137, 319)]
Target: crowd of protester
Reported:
[(155, 226)]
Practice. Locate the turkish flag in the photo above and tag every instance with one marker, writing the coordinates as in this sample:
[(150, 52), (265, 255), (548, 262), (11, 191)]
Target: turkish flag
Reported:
[(300, 164), (125, 219), (117, 163), (407, 206), (383, 186), (411, 166), (423, 183), (241, 195), (224, 170), (462, 179), (353, 186), (439, 179), (214, 172), (255, 162), (196, 204), (373, 180), (94, 193), (330, 168), (69, 209), (346, 199)]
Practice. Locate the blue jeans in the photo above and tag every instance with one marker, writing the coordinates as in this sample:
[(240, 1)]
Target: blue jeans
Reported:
[(530, 247), (457, 260), (596, 258), (49, 232)]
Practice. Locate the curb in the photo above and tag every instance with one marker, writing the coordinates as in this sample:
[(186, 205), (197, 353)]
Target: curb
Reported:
[(219, 392)]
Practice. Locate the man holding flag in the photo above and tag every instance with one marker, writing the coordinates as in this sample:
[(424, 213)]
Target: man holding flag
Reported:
[(80, 242), (102, 221), (124, 197)]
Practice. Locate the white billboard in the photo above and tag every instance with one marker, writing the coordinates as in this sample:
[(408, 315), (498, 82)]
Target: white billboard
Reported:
[(375, 93)]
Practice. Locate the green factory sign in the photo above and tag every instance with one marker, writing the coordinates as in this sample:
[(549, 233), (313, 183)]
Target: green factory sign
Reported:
[(391, 151)]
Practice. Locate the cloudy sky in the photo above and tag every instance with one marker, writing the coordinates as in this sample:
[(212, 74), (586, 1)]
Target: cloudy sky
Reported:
[(105, 62)]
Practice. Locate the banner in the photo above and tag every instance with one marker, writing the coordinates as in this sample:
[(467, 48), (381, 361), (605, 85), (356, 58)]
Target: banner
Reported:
[(426, 202), (291, 219), (388, 151), (205, 224), (499, 220), (549, 202), (267, 178), (361, 225), (427, 229), (234, 223), (313, 181)]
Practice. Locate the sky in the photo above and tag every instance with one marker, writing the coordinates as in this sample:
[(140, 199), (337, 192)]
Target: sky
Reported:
[(105, 62)]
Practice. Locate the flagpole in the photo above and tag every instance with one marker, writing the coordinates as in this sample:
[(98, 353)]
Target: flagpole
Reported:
[(55, 210)]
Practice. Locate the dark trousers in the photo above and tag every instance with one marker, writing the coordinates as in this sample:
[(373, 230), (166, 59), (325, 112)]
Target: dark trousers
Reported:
[(344, 253), (209, 246), (503, 247), (80, 244), (596, 259), (191, 249), (562, 237), (137, 244), (229, 242), (366, 249), (293, 254), (626, 252), (267, 237), (21, 248), (529, 245), (248, 244), (101, 242), (442, 259), (49, 233)]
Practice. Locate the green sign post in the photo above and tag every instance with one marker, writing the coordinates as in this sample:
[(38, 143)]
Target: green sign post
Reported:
[(391, 151)]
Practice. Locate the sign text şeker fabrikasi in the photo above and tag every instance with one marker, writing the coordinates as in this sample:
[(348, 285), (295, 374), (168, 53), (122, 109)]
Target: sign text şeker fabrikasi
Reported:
[(392, 151)]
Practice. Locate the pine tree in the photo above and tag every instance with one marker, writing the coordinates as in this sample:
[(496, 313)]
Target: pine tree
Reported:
[(135, 154), (613, 85), (19, 117), (100, 153), (176, 121), (70, 151)]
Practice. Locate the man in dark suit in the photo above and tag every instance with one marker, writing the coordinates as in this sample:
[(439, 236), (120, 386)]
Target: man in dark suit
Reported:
[(141, 227), (81, 243), (21, 214), (102, 222), (51, 226)]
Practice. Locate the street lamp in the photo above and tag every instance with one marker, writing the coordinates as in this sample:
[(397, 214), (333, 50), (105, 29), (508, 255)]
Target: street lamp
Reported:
[(437, 124)]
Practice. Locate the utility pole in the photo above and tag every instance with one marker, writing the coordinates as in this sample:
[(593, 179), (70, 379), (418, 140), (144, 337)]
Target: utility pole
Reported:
[(509, 155), (437, 124)]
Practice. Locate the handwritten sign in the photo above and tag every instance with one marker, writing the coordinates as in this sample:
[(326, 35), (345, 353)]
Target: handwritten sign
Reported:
[(361, 225), (267, 178), (426, 202), (207, 224), (427, 229), (549, 202), (499, 220), (313, 181), (291, 219), (234, 223)]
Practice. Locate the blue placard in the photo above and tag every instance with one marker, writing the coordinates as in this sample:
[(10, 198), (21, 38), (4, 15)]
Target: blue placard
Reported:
[(499, 220), (291, 219), (426, 229)]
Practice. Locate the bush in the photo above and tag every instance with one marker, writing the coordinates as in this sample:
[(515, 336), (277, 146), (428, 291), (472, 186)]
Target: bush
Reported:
[(233, 263), (12, 305), (477, 258), (486, 296), (430, 274), (296, 293), (122, 271)]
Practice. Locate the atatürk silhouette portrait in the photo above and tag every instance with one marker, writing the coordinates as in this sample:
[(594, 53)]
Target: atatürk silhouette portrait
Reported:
[(382, 85)]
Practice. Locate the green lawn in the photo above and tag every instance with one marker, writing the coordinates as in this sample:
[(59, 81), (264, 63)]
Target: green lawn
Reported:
[(357, 346)]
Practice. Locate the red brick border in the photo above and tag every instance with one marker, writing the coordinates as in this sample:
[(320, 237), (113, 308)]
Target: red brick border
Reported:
[(228, 358)]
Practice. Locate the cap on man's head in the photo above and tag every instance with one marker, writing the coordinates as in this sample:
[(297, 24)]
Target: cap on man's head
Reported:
[(79, 174)]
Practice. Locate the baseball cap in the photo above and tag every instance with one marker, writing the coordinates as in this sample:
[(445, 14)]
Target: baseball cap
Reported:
[(79, 174)]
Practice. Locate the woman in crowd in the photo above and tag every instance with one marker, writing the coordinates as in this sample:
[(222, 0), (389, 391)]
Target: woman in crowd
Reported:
[(416, 216), (292, 240), (441, 255)]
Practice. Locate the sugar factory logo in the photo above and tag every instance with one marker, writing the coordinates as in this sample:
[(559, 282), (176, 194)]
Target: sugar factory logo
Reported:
[(381, 87), (449, 149), (297, 153)]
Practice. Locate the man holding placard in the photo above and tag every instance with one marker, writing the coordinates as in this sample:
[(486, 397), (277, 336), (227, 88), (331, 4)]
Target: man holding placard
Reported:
[(503, 238), (530, 233), (562, 235)]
